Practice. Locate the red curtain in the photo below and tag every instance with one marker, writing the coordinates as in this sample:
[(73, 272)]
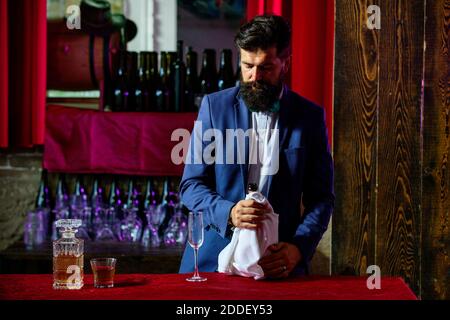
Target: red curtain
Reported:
[(259, 7), (27, 72), (312, 68), (255, 8), (3, 73), (313, 53), (274, 7)]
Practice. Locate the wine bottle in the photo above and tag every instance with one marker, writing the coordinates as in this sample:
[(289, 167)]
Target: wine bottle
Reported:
[(132, 195), (97, 194), (129, 96), (79, 199), (179, 76), (159, 92), (61, 208), (120, 83), (141, 91), (171, 58), (226, 74), (44, 203), (192, 87), (43, 198), (152, 79), (208, 74), (115, 195), (62, 193), (164, 92), (151, 197)]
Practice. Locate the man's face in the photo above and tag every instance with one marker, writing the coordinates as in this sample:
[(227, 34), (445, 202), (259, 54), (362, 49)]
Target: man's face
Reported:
[(264, 65), (262, 78)]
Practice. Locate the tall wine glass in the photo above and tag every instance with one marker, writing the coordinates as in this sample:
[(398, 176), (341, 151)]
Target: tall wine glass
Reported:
[(195, 239)]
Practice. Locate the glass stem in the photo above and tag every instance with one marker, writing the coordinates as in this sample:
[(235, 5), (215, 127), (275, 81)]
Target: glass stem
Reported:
[(196, 263)]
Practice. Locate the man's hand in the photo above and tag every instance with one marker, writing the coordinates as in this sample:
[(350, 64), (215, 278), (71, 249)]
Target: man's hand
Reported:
[(248, 214), (281, 261)]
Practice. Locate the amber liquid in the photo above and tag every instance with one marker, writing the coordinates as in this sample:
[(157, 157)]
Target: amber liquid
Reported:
[(68, 272), (104, 276)]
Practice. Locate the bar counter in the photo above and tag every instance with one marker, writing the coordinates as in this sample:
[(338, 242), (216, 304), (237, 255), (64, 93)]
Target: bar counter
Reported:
[(217, 287)]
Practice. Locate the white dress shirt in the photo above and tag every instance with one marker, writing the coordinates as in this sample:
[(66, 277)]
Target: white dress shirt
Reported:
[(265, 141)]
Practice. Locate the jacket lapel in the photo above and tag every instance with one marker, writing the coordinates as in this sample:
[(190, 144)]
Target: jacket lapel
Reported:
[(242, 121), (284, 119)]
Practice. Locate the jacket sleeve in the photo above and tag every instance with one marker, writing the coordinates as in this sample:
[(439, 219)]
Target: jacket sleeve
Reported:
[(197, 187), (318, 195)]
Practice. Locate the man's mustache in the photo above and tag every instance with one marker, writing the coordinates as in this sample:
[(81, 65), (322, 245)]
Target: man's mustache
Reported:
[(258, 85)]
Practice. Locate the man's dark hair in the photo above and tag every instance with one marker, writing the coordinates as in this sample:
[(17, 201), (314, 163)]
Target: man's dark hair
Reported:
[(263, 32)]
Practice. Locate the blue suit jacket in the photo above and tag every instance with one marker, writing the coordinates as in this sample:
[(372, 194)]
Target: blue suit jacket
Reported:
[(305, 176)]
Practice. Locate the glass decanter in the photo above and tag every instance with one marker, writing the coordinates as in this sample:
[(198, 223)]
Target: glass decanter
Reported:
[(68, 259)]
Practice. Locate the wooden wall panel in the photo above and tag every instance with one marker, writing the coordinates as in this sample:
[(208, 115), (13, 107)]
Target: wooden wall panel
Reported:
[(436, 149), (399, 140), (355, 119), (392, 143)]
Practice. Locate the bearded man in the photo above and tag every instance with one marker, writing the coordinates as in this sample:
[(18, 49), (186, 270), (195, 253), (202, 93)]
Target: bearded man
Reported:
[(285, 157)]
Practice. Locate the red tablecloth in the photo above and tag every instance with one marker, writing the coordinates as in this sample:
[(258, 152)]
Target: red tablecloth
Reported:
[(217, 287), (133, 143)]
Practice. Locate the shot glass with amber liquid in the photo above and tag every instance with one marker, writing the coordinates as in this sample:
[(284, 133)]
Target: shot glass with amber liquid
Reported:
[(103, 270)]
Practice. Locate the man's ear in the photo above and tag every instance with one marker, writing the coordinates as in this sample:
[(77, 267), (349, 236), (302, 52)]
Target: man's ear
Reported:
[(287, 64)]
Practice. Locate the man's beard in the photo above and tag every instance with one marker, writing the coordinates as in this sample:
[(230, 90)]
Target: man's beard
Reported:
[(260, 96)]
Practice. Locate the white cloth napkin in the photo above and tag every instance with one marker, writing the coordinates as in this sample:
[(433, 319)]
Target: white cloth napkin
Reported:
[(241, 255)]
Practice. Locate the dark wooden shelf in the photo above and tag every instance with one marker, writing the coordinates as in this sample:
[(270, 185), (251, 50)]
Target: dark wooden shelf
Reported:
[(131, 258)]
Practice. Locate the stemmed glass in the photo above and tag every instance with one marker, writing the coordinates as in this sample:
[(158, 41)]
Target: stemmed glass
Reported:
[(104, 224), (155, 216), (195, 239), (130, 229)]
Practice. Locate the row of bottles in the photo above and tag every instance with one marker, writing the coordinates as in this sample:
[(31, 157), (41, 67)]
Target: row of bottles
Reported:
[(175, 86), (116, 196), (139, 212)]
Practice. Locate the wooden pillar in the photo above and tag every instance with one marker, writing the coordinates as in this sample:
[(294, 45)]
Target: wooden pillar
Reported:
[(355, 136), (398, 228), (436, 150)]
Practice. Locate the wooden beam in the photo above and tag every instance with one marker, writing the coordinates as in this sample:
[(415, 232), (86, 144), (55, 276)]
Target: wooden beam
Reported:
[(355, 125), (399, 140), (436, 150)]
